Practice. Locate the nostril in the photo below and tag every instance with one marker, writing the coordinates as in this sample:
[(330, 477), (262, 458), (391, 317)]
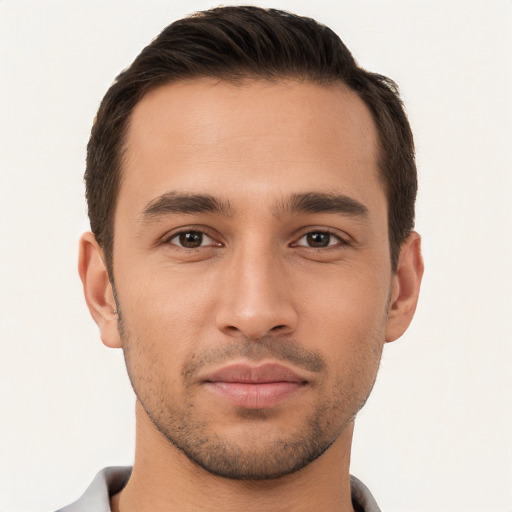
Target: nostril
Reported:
[(278, 327)]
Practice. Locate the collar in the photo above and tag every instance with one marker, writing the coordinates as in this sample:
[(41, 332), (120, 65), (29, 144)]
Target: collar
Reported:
[(110, 481)]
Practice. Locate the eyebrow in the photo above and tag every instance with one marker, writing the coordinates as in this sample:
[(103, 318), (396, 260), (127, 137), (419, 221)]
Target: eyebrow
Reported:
[(318, 202), (309, 202), (173, 202)]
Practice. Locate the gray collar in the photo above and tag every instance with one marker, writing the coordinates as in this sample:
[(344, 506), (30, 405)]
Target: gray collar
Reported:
[(96, 498), (111, 480), (362, 498)]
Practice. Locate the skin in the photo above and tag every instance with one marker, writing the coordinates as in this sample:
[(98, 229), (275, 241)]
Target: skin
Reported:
[(259, 280)]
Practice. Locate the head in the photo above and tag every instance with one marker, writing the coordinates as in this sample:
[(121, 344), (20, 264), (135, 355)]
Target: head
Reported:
[(251, 195), (237, 43)]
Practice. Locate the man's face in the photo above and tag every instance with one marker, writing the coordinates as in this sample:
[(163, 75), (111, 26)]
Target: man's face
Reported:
[(252, 271)]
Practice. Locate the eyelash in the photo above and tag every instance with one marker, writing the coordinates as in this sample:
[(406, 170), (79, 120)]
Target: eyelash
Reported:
[(200, 231), (340, 241)]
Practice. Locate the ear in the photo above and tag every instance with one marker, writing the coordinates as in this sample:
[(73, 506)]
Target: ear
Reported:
[(98, 290), (405, 287)]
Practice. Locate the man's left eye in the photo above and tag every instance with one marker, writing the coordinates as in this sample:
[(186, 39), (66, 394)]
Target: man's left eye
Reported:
[(319, 239)]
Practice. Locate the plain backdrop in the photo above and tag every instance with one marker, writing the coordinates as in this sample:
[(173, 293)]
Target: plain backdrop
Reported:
[(436, 434)]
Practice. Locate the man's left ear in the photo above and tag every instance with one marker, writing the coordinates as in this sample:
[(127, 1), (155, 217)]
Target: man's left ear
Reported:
[(405, 288)]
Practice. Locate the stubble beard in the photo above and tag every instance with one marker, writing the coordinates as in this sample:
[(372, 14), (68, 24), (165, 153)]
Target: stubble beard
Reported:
[(250, 456)]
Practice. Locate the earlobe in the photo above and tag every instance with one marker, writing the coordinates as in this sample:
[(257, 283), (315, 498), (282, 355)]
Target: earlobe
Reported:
[(405, 288), (98, 289)]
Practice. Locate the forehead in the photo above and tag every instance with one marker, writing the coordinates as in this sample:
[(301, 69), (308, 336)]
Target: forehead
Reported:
[(242, 139)]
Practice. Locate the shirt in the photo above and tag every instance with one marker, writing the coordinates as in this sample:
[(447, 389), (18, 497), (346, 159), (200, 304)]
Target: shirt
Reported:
[(111, 480)]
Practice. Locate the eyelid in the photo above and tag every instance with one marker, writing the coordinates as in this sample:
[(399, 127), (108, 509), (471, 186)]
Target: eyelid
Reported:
[(205, 241), (343, 238), (166, 239)]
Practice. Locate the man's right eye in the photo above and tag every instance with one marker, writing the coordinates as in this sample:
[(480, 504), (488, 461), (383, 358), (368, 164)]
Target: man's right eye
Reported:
[(192, 240)]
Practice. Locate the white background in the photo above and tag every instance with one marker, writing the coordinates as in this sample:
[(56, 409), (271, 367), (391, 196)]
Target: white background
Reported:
[(436, 435)]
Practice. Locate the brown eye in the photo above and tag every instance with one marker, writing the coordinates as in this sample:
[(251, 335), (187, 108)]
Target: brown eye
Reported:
[(191, 239), (319, 240)]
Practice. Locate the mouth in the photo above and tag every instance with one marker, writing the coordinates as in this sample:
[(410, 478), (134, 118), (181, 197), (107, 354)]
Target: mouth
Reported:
[(254, 387)]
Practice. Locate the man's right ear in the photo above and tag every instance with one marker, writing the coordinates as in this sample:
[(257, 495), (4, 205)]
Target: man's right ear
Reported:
[(98, 291)]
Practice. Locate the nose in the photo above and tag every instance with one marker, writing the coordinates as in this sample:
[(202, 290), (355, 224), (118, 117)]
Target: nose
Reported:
[(256, 296)]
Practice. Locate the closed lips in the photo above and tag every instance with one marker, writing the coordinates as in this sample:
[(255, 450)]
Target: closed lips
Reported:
[(247, 374), (254, 387)]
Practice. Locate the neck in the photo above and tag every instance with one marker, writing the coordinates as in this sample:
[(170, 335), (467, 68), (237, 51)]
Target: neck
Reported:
[(164, 479)]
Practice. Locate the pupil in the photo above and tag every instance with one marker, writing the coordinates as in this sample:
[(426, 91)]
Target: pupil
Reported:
[(191, 239), (318, 239)]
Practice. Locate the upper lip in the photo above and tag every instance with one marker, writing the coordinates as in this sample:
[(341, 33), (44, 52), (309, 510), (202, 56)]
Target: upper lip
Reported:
[(251, 374)]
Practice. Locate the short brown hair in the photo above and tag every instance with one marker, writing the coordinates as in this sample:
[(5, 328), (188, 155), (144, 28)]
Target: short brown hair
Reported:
[(232, 43)]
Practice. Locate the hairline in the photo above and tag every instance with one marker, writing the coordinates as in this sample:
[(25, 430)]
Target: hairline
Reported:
[(239, 78)]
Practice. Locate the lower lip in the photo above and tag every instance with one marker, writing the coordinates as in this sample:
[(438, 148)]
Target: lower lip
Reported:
[(255, 396)]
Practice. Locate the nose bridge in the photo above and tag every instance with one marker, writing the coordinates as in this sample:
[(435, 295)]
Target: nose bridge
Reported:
[(256, 296)]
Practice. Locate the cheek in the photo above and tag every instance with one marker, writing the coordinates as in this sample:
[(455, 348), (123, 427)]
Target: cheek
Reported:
[(347, 320), (347, 300), (164, 321), (168, 300), (352, 343)]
